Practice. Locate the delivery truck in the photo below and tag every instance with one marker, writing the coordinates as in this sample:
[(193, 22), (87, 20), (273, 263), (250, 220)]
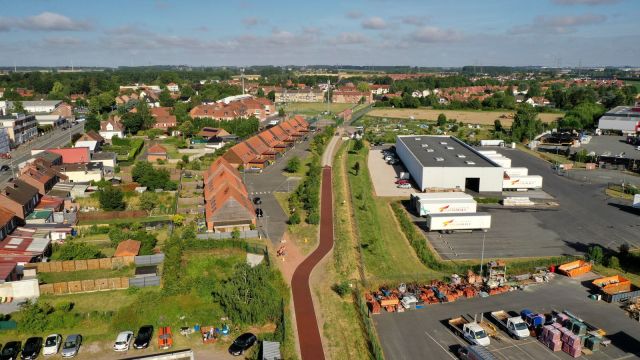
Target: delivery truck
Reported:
[(514, 325), (449, 223), (426, 207), (516, 171), (470, 331), (522, 182)]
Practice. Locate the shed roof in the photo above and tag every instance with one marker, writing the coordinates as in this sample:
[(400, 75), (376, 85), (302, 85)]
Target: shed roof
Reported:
[(127, 248)]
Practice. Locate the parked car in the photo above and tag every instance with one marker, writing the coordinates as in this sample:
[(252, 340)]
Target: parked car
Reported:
[(402, 181), (165, 339), (123, 341), (32, 348), (11, 350), (52, 344), (404, 186), (144, 337), (257, 200), (4, 168), (71, 346), (393, 162), (242, 343), (259, 213)]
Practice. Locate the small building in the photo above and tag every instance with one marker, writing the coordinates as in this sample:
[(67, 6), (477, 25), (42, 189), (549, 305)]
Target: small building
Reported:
[(19, 198), (111, 127), (212, 134), (82, 173), (20, 128), (91, 144), (173, 87), (40, 177), (75, 155), (625, 119), (40, 216), (157, 152), (107, 159), (127, 248), (8, 222), (92, 136)]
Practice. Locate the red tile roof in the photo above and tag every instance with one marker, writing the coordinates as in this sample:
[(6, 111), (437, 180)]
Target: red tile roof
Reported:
[(73, 155), (258, 146), (157, 149), (243, 152), (5, 216)]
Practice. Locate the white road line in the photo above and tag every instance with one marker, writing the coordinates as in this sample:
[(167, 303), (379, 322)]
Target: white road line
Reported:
[(440, 345)]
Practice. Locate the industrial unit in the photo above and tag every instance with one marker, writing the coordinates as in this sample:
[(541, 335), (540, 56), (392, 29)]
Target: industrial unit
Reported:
[(621, 118), (445, 162)]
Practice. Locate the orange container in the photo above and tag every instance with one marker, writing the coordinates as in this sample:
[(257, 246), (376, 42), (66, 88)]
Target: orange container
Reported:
[(574, 268), (613, 284)]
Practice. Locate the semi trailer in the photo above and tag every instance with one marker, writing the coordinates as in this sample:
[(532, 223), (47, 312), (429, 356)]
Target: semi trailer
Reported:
[(449, 223)]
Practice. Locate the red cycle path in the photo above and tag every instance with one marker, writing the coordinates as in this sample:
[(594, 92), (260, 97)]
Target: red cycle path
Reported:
[(307, 323)]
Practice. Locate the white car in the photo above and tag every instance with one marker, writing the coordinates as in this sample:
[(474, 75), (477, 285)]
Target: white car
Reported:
[(123, 341), (52, 344)]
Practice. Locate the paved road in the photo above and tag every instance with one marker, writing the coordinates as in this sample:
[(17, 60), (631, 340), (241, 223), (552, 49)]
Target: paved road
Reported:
[(308, 331), (53, 139)]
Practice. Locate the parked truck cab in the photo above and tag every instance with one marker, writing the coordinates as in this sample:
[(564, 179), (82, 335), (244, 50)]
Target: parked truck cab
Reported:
[(475, 334), (517, 327)]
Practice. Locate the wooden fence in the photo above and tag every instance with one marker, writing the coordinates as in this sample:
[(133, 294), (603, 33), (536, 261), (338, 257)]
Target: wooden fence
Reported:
[(81, 286), (80, 265)]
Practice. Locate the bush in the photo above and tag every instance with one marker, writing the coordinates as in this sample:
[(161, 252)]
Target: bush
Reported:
[(293, 165), (76, 250), (313, 218), (294, 219), (111, 199), (595, 254), (613, 262), (342, 288)]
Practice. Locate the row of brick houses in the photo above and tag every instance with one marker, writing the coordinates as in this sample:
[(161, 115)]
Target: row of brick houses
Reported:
[(260, 150), (244, 107), (227, 203)]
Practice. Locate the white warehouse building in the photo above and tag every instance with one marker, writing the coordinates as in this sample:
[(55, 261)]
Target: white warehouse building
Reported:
[(444, 162)]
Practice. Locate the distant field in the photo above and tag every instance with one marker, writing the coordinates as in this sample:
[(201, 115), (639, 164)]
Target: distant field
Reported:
[(316, 108), (466, 116), (634, 83)]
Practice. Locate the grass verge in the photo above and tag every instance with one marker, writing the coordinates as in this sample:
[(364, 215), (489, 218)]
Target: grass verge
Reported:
[(304, 235)]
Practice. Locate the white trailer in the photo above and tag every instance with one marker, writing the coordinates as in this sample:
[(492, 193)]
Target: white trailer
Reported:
[(636, 201), (522, 182), (487, 152), (418, 198), (501, 160), (517, 171), (491, 142), (448, 223), (426, 207)]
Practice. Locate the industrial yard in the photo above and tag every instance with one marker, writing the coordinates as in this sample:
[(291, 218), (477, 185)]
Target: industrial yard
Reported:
[(413, 333)]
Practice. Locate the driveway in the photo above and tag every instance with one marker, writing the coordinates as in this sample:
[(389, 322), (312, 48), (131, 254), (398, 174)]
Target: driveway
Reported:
[(384, 176)]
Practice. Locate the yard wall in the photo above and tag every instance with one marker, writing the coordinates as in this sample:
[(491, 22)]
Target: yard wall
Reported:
[(20, 289), (82, 286), (80, 265)]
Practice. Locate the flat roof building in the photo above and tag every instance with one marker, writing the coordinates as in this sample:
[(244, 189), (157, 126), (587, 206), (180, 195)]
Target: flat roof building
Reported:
[(445, 162), (621, 118)]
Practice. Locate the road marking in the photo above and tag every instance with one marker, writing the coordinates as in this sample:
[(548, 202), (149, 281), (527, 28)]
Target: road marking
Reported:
[(440, 345)]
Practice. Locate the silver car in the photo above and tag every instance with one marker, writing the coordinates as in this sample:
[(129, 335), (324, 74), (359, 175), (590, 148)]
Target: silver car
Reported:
[(71, 346), (123, 341)]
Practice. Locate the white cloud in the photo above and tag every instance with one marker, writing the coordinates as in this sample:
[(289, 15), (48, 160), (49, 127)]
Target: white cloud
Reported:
[(432, 34), (374, 23), (49, 21), (558, 24), (415, 20), (585, 2), (354, 14), (348, 38)]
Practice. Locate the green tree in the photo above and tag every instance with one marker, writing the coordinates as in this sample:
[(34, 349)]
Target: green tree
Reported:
[(18, 107), (187, 129), (235, 234), (294, 218), (293, 165), (148, 201), (497, 126), (92, 122), (271, 96), (595, 254), (260, 93), (247, 297), (111, 198), (281, 112), (34, 316), (363, 87), (166, 99), (526, 124), (613, 262), (356, 168), (358, 145), (442, 119), (146, 175)]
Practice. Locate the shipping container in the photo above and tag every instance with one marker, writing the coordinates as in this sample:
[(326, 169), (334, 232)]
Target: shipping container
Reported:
[(447, 223), (464, 206), (522, 182), (517, 171), (612, 284), (574, 268)]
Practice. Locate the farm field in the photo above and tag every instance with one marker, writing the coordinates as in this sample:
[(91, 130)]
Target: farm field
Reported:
[(466, 116)]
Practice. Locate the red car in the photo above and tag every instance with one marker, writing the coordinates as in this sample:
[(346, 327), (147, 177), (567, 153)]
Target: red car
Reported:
[(402, 181)]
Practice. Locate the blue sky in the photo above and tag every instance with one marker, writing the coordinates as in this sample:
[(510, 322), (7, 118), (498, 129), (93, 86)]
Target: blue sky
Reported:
[(358, 32)]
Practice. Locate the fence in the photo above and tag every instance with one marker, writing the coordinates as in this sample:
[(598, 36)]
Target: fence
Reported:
[(148, 260), (146, 281), (370, 330), (81, 265), (129, 214), (81, 286), (248, 234)]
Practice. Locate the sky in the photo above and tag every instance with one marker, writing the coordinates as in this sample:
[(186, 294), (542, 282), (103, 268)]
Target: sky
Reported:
[(349, 32)]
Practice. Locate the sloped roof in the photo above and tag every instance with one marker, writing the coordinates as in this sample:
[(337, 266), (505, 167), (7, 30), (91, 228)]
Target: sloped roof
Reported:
[(258, 145), (221, 164), (127, 248), (229, 204), (5, 216), (280, 133), (244, 152), (19, 191), (157, 149), (269, 138)]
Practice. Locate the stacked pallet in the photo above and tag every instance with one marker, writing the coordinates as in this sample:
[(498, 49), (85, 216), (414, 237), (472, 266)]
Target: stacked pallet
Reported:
[(570, 335)]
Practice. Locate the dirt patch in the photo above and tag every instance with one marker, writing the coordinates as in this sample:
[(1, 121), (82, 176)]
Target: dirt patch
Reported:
[(466, 116)]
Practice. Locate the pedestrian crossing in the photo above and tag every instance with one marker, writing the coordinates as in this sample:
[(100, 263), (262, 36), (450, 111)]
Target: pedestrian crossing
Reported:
[(260, 192)]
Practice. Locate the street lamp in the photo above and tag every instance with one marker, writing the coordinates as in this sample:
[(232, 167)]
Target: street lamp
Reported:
[(482, 253)]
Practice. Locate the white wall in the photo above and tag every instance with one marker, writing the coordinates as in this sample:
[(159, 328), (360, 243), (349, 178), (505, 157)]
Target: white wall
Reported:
[(23, 289), (411, 163), (455, 177)]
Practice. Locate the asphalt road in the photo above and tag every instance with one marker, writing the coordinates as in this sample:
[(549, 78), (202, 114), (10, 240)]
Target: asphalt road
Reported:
[(585, 216), (271, 180), (413, 334), (52, 139)]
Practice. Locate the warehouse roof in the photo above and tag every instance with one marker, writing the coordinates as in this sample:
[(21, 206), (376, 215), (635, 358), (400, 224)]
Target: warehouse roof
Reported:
[(443, 151)]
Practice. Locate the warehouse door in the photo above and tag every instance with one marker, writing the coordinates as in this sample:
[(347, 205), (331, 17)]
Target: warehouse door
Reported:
[(472, 184)]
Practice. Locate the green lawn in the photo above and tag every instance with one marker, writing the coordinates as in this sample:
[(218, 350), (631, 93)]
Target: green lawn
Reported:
[(386, 252), (54, 277), (126, 220), (304, 235), (316, 108), (304, 167), (634, 83)]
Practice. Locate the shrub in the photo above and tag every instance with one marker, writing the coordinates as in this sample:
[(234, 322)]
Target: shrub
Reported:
[(595, 254), (342, 288), (294, 218), (293, 165), (111, 199), (613, 262), (76, 250)]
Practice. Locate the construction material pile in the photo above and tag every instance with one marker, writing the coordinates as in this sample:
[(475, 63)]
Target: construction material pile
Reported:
[(633, 308), (571, 335), (415, 296)]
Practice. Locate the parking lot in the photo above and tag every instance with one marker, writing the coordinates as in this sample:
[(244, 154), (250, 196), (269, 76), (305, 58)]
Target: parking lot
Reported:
[(422, 333), (384, 175), (611, 146), (585, 216)]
